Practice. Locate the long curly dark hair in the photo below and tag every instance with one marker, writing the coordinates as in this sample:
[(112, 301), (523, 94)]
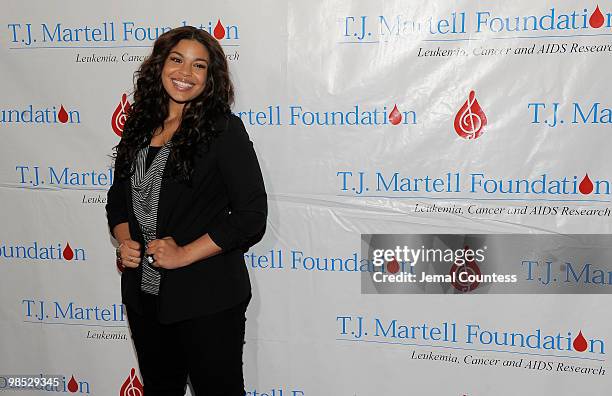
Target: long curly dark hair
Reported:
[(150, 107)]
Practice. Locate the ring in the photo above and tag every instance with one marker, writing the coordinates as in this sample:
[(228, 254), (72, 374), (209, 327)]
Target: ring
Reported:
[(150, 259)]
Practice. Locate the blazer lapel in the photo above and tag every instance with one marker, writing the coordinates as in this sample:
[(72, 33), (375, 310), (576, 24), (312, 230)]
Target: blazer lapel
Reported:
[(169, 195)]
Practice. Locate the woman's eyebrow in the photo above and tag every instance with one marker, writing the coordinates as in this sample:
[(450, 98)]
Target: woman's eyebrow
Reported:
[(182, 56)]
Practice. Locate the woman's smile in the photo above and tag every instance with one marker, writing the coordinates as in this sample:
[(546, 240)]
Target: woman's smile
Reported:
[(182, 85)]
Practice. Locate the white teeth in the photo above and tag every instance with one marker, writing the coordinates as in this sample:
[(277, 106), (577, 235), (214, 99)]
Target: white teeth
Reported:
[(182, 84)]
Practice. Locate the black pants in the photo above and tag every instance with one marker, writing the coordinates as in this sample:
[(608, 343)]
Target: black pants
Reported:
[(207, 348)]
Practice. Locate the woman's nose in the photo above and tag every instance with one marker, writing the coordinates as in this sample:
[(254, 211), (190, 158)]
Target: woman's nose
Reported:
[(185, 69)]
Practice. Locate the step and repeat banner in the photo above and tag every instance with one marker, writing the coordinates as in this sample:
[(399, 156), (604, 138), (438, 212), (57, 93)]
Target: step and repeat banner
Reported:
[(439, 193)]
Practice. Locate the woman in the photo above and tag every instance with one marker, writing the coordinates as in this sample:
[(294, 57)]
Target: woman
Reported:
[(187, 200)]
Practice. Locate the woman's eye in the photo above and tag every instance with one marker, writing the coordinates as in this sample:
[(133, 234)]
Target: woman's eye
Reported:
[(201, 66), (176, 60)]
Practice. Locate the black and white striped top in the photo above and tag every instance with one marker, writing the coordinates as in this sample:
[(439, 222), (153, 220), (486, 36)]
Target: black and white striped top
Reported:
[(146, 184)]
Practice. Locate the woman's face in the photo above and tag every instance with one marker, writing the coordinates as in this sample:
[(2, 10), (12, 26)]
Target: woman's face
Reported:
[(184, 72)]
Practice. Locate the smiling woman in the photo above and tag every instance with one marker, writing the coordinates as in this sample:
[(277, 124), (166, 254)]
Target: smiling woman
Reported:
[(184, 72), (187, 200)]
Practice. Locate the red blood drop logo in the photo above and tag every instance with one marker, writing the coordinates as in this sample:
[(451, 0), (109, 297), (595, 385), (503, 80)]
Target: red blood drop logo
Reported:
[(393, 266), (395, 117), (68, 253), (219, 31), (62, 116), (120, 115), (580, 343), (470, 119), (131, 386), (586, 185), (597, 19), (72, 385)]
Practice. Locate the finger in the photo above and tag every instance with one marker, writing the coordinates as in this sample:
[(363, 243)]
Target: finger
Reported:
[(169, 241), (154, 243), (131, 252), (152, 246), (131, 244), (131, 262), (159, 264), (127, 258), (136, 261)]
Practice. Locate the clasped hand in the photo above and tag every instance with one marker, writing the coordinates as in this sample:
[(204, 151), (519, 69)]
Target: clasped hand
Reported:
[(165, 252)]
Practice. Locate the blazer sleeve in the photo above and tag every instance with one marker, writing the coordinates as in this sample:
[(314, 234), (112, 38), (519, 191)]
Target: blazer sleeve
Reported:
[(116, 205), (241, 174)]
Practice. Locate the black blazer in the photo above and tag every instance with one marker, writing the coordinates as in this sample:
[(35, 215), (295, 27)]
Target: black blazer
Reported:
[(227, 200)]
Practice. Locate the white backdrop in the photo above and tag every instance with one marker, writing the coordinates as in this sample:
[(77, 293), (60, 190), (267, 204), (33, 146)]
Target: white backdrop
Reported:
[(317, 83)]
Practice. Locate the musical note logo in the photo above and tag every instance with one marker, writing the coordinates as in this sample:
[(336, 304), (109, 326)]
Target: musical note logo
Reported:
[(120, 115), (131, 386), (469, 267), (470, 119)]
